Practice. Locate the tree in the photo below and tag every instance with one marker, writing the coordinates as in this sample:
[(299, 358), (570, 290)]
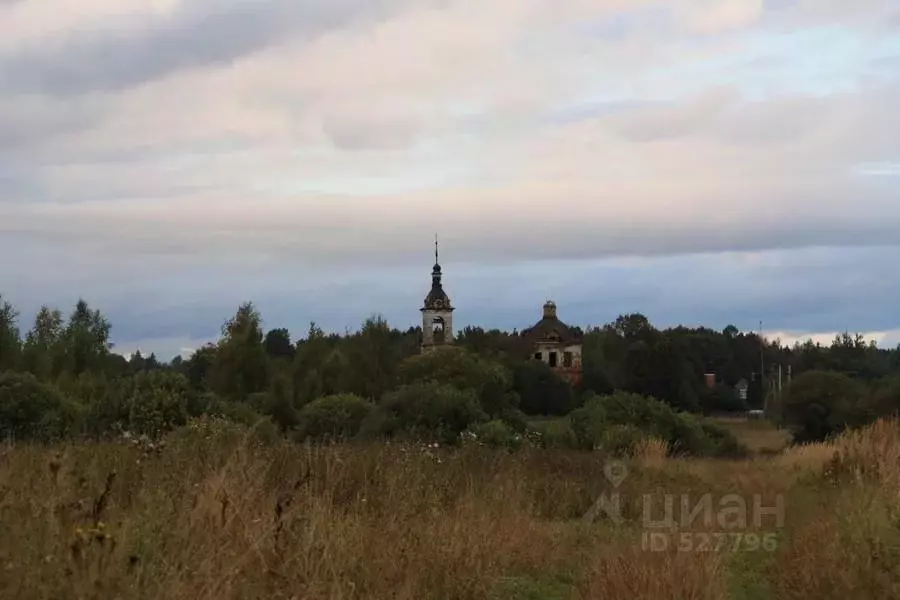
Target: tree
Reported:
[(818, 404), (43, 350), (239, 364), (278, 343), (541, 390), (10, 343), (32, 410), (374, 353), (633, 326), (198, 366), (86, 340), (463, 370)]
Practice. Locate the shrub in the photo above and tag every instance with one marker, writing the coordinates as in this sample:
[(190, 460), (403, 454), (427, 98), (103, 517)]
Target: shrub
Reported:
[(31, 410), (542, 390), (234, 412), (557, 434), (618, 421), (497, 434), (515, 419), (489, 381), (428, 408), (819, 404), (150, 402), (336, 416), (725, 444), (621, 440)]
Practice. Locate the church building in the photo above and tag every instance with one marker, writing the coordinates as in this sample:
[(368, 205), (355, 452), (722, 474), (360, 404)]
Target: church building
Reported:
[(549, 340), (556, 344), (437, 314)]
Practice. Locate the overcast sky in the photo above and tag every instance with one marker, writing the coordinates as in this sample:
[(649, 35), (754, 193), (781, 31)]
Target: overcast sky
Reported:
[(701, 161)]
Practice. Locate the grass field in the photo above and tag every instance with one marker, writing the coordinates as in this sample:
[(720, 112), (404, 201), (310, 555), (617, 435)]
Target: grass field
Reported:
[(217, 513), (758, 436)]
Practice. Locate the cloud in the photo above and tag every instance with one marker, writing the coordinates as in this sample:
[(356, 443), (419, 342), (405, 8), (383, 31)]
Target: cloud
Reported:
[(192, 145), (181, 36)]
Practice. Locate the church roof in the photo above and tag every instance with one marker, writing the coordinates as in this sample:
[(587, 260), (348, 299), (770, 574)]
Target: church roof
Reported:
[(551, 329), (437, 298)]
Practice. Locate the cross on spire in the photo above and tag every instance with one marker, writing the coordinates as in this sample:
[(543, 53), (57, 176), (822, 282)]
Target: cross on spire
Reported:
[(435, 249)]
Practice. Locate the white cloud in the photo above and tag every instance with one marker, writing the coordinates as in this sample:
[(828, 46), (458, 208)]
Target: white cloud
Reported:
[(137, 141)]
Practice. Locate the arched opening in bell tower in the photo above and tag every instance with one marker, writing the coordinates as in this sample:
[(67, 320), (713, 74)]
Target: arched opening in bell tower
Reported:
[(437, 330)]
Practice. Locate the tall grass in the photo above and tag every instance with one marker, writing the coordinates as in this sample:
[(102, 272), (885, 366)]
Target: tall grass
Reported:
[(217, 513)]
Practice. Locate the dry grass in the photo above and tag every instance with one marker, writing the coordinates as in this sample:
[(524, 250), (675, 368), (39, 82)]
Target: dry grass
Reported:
[(757, 435), (651, 453), (847, 541), (217, 514)]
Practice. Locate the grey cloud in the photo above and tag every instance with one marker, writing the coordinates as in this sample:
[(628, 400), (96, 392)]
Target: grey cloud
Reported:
[(28, 122), (814, 290), (384, 133), (204, 32)]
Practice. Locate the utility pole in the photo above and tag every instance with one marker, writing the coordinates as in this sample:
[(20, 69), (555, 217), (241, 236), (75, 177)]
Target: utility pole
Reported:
[(763, 380), (779, 380)]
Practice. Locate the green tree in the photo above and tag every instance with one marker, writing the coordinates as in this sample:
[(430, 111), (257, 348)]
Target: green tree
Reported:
[(239, 365), (541, 390), (818, 404), (308, 359), (86, 336), (198, 366), (278, 343), (32, 410), (374, 354), (490, 381), (10, 343), (44, 348)]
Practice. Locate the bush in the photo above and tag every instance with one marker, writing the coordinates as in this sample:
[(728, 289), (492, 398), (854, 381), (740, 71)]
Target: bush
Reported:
[(31, 410), (497, 434), (515, 419), (542, 390), (724, 442), (336, 416), (557, 434), (618, 421), (150, 402), (621, 440), (489, 381), (819, 404), (430, 409)]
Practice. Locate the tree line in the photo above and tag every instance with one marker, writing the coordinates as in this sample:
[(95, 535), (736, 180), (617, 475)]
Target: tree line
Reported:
[(63, 376)]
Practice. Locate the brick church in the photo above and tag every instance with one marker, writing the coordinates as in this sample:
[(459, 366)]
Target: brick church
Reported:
[(549, 340)]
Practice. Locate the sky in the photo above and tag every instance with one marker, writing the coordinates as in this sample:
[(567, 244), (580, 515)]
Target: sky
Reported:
[(704, 162)]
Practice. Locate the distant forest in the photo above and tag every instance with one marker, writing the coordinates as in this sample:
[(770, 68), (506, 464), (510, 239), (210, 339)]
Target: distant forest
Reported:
[(62, 373)]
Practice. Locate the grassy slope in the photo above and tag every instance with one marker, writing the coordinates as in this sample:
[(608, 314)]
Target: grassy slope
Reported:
[(218, 514)]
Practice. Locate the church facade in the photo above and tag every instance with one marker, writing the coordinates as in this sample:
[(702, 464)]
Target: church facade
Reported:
[(553, 342), (549, 340)]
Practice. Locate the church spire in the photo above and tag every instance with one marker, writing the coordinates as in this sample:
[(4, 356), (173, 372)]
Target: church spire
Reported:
[(436, 272)]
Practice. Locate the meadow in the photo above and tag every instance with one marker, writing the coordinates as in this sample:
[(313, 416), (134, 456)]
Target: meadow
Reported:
[(215, 510)]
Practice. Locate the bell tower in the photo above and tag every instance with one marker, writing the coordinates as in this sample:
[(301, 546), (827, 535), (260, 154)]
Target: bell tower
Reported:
[(437, 313)]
